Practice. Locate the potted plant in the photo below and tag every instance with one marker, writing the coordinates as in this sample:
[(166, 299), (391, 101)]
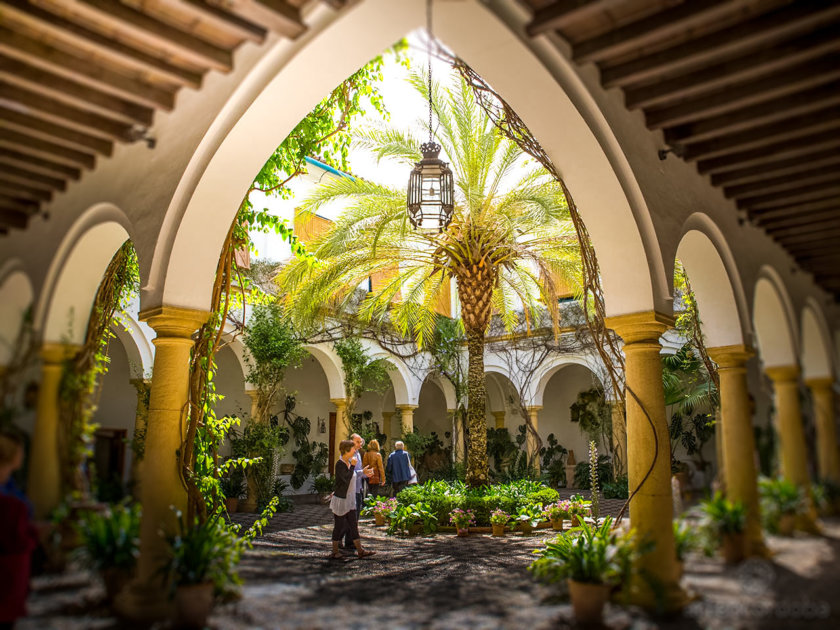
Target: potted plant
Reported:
[(110, 544), (203, 556), (528, 517), (380, 508), (462, 519), (781, 501), (726, 520), (498, 522), (578, 509), (685, 540), (593, 560), (412, 519), (232, 487), (323, 485), (556, 512)]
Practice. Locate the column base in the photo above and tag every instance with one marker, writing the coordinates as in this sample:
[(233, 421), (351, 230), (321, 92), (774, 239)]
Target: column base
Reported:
[(758, 549), (809, 523), (144, 603), (656, 598)]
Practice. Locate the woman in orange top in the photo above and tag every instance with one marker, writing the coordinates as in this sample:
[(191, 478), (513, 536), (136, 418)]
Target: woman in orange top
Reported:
[(373, 458)]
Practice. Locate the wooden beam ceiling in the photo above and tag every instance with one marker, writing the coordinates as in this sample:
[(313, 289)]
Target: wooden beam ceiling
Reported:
[(747, 90)]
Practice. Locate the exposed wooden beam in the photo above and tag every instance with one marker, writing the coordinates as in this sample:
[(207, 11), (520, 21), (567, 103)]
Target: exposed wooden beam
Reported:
[(778, 57), (650, 29), (15, 202), (276, 15), (99, 125), (780, 183), (13, 218), (817, 238), (564, 12), (781, 167), (799, 146), (49, 84), (821, 120), (11, 187), (219, 18), (43, 180), (762, 30), (802, 219), (748, 117), (817, 227), (25, 143), (41, 126), (803, 193), (102, 44), (795, 79), (797, 209), (126, 19), (803, 249), (10, 157)]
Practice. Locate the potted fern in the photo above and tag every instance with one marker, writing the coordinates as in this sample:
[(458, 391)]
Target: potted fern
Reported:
[(232, 486), (593, 560), (498, 522), (781, 501), (726, 520), (323, 485), (685, 540)]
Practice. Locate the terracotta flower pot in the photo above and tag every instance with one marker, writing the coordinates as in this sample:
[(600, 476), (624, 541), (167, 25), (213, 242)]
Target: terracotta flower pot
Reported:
[(379, 519), (588, 601), (115, 580), (231, 504), (733, 548), (557, 525), (787, 522), (526, 529), (575, 521), (193, 604), (415, 529), (463, 531), (498, 530)]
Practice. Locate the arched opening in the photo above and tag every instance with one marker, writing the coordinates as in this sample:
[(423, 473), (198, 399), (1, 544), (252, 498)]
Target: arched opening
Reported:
[(16, 298), (773, 319)]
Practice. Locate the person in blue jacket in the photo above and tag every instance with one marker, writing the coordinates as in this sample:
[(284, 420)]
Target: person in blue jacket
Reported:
[(398, 468)]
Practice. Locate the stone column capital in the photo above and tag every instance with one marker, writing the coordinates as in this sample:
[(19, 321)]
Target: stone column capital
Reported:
[(731, 357), (140, 382), (534, 408), (820, 382), (253, 394), (55, 353), (174, 321), (407, 407), (782, 373), (646, 327), (340, 403)]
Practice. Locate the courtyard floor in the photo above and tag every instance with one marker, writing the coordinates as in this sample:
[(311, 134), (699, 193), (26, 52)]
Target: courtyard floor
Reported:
[(475, 583)]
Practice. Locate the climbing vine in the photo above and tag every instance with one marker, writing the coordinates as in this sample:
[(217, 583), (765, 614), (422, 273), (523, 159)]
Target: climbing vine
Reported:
[(361, 372)]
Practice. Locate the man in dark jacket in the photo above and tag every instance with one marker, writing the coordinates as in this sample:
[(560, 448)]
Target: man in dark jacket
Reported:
[(398, 468)]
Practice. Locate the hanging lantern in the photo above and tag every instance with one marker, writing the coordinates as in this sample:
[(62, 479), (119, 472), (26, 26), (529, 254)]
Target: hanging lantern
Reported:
[(430, 191)]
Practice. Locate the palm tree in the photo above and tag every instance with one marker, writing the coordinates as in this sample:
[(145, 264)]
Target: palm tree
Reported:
[(510, 249)]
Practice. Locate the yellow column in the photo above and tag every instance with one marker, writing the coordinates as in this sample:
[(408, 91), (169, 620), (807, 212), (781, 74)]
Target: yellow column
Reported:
[(407, 418), (530, 440), (387, 425), (828, 457), (500, 418), (619, 433), (342, 424), (44, 463), (254, 395), (794, 452), (651, 509), (141, 418), (147, 598), (737, 439)]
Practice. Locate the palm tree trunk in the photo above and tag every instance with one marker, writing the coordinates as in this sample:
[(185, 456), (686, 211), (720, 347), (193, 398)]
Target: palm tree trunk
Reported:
[(476, 411)]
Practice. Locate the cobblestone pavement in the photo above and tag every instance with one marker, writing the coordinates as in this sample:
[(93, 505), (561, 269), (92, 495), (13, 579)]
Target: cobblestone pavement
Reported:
[(475, 583)]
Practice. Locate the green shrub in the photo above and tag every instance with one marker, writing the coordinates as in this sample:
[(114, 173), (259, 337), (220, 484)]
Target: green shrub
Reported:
[(405, 517), (111, 539), (543, 496), (685, 538), (723, 516), (618, 489), (582, 473)]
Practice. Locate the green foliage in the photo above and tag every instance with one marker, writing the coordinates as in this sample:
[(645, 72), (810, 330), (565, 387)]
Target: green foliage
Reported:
[(685, 538), (618, 489), (406, 518), (779, 497), (554, 461), (363, 424), (594, 485), (688, 387), (765, 445), (110, 539), (593, 414), (583, 479), (273, 346), (530, 515), (722, 516), (310, 456), (692, 432), (323, 484), (232, 485), (590, 554), (260, 445), (361, 373)]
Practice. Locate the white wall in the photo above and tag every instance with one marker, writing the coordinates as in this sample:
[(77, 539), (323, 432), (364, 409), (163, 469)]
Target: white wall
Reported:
[(431, 414), (555, 417)]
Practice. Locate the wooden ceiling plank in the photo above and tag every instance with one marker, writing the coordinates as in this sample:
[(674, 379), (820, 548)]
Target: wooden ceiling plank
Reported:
[(86, 38), (38, 194), (771, 153), (798, 209), (31, 123), (802, 219), (26, 144), (99, 125), (796, 18), (821, 120), (831, 171), (745, 67), (44, 180), (814, 239), (789, 165), (804, 249), (777, 84), (565, 12), (276, 15), (803, 193), (818, 227), (650, 29), (38, 80), (8, 156), (16, 202), (13, 218), (224, 20), (165, 36)]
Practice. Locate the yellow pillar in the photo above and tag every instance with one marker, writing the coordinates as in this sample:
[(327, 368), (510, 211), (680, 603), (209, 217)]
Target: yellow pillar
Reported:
[(141, 417), (737, 439), (530, 440), (254, 411), (406, 418), (342, 425), (387, 425), (828, 457), (619, 433), (655, 583), (147, 598), (793, 450), (44, 463), (500, 418)]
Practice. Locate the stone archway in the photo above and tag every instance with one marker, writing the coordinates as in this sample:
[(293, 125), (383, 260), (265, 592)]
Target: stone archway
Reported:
[(16, 299)]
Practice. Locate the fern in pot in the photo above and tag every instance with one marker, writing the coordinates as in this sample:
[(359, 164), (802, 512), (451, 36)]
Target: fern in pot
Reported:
[(726, 520), (781, 501)]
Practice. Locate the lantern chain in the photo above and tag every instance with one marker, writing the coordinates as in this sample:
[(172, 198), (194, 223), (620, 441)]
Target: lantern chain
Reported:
[(429, 51)]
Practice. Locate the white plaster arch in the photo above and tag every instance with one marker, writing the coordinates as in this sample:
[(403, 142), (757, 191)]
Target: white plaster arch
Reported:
[(716, 283), (538, 81), (541, 378), (817, 347), (136, 337), (447, 388), (406, 387), (240, 351), (76, 270), (16, 297), (774, 320), (331, 364)]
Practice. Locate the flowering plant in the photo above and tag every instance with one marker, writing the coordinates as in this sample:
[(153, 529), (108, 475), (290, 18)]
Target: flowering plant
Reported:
[(559, 510), (384, 508), (579, 506), (461, 518), (499, 517)]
